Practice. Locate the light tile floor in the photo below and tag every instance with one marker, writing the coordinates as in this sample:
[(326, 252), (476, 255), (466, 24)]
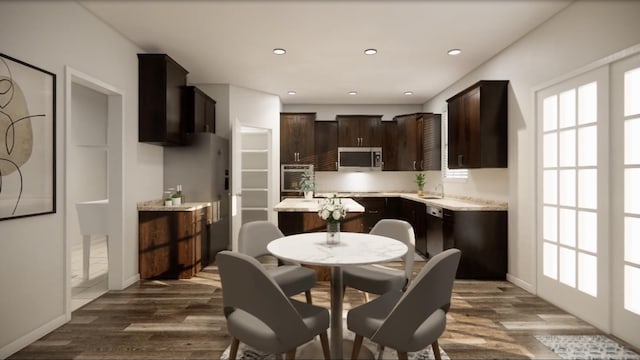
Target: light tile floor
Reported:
[(83, 292)]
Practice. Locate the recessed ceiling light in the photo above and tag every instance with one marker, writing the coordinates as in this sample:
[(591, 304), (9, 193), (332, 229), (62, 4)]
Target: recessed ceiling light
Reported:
[(291, 92), (454, 52), (370, 52), (279, 51), (408, 93), (353, 93)]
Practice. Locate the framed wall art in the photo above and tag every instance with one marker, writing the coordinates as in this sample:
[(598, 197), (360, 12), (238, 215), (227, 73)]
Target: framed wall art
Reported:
[(27, 139)]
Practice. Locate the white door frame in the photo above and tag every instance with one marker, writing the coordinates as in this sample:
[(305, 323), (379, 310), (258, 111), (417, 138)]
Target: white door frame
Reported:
[(115, 181)]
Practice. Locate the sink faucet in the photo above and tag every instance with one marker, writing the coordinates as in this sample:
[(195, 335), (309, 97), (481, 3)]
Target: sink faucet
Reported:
[(441, 192)]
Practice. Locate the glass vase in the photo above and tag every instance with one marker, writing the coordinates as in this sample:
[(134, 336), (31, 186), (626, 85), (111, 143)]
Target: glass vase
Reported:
[(333, 233)]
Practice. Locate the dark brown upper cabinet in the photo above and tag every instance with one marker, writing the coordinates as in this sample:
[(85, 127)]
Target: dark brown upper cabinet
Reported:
[(199, 110), (477, 131), (389, 145), (418, 140), (160, 83), (297, 138), (326, 145), (359, 130)]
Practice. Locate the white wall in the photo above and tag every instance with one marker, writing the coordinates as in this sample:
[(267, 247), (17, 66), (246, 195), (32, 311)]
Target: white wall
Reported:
[(582, 33), (52, 35), (329, 111)]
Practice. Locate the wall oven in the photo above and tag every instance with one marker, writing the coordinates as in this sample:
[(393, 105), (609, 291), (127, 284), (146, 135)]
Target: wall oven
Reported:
[(359, 158), (290, 175)]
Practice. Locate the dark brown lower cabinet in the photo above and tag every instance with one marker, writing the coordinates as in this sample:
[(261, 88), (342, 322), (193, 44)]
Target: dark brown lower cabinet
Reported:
[(171, 243), (482, 238)]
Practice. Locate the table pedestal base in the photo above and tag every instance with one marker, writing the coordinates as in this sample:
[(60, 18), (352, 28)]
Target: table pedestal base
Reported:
[(313, 351)]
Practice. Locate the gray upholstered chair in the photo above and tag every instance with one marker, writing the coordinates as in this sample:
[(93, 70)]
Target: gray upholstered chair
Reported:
[(411, 320), (379, 279), (259, 313), (292, 278)]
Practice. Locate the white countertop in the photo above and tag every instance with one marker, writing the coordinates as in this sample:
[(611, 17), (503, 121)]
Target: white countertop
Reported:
[(158, 205), (312, 205), (450, 203), (353, 249)]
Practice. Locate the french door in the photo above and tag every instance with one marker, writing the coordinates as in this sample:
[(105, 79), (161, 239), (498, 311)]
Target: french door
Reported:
[(589, 196), (573, 183), (625, 199)]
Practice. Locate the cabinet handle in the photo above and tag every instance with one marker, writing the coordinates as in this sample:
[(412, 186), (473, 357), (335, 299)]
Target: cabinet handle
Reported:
[(421, 164), (414, 164), (460, 160), (336, 165)]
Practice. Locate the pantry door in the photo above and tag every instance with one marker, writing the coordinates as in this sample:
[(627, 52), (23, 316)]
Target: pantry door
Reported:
[(625, 199), (573, 206)]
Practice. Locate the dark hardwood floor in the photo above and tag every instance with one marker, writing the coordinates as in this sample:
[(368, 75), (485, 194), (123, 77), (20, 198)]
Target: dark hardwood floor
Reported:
[(182, 319)]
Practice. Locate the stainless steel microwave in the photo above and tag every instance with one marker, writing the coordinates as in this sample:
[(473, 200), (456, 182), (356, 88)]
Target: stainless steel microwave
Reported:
[(359, 158), (290, 176)]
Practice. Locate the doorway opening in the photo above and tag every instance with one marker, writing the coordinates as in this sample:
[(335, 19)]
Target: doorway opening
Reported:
[(93, 190)]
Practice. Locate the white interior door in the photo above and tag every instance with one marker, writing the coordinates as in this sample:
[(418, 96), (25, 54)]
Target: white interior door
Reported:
[(573, 241), (625, 199)]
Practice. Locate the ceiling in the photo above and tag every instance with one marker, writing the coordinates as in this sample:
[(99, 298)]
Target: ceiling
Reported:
[(231, 42)]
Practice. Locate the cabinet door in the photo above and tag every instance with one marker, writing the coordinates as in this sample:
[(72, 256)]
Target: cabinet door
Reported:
[(326, 145), (296, 138), (348, 132), (410, 133), (390, 145), (359, 130), (210, 116), (477, 131), (432, 142)]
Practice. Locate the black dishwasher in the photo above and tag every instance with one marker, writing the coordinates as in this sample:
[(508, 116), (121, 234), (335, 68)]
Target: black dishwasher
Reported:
[(434, 230)]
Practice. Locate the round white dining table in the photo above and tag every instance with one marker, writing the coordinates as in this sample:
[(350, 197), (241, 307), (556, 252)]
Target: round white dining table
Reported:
[(353, 249)]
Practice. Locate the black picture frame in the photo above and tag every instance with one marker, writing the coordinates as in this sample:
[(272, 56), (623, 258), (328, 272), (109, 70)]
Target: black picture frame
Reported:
[(27, 139)]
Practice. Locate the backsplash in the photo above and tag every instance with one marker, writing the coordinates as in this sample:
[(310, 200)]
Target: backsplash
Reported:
[(483, 184)]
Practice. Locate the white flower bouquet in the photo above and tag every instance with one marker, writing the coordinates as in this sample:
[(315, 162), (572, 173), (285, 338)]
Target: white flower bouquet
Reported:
[(332, 210)]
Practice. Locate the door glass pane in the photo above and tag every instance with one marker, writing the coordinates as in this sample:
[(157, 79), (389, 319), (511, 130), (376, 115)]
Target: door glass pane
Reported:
[(567, 189), (550, 225), (568, 108), (550, 113), (568, 267), (550, 187), (550, 150), (632, 142), (567, 225), (588, 188), (632, 240), (588, 146), (632, 191), (588, 274), (567, 148), (588, 231), (588, 103), (632, 289), (550, 260), (632, 92)]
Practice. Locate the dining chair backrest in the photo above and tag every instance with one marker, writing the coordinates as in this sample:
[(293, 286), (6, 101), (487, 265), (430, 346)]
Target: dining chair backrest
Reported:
[(429, 292), (255, 235), (401, 231), (248, 287)]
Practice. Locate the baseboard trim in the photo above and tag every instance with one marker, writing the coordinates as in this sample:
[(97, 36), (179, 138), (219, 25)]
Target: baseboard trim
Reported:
[(130, 281), (31, 337), (521, 284)]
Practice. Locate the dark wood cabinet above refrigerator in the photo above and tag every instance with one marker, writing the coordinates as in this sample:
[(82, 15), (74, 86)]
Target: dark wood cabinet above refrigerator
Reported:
[(199, 110), (160, 83)]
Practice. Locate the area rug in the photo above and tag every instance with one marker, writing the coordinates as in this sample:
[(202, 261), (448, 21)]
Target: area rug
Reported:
[(586, 347)]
